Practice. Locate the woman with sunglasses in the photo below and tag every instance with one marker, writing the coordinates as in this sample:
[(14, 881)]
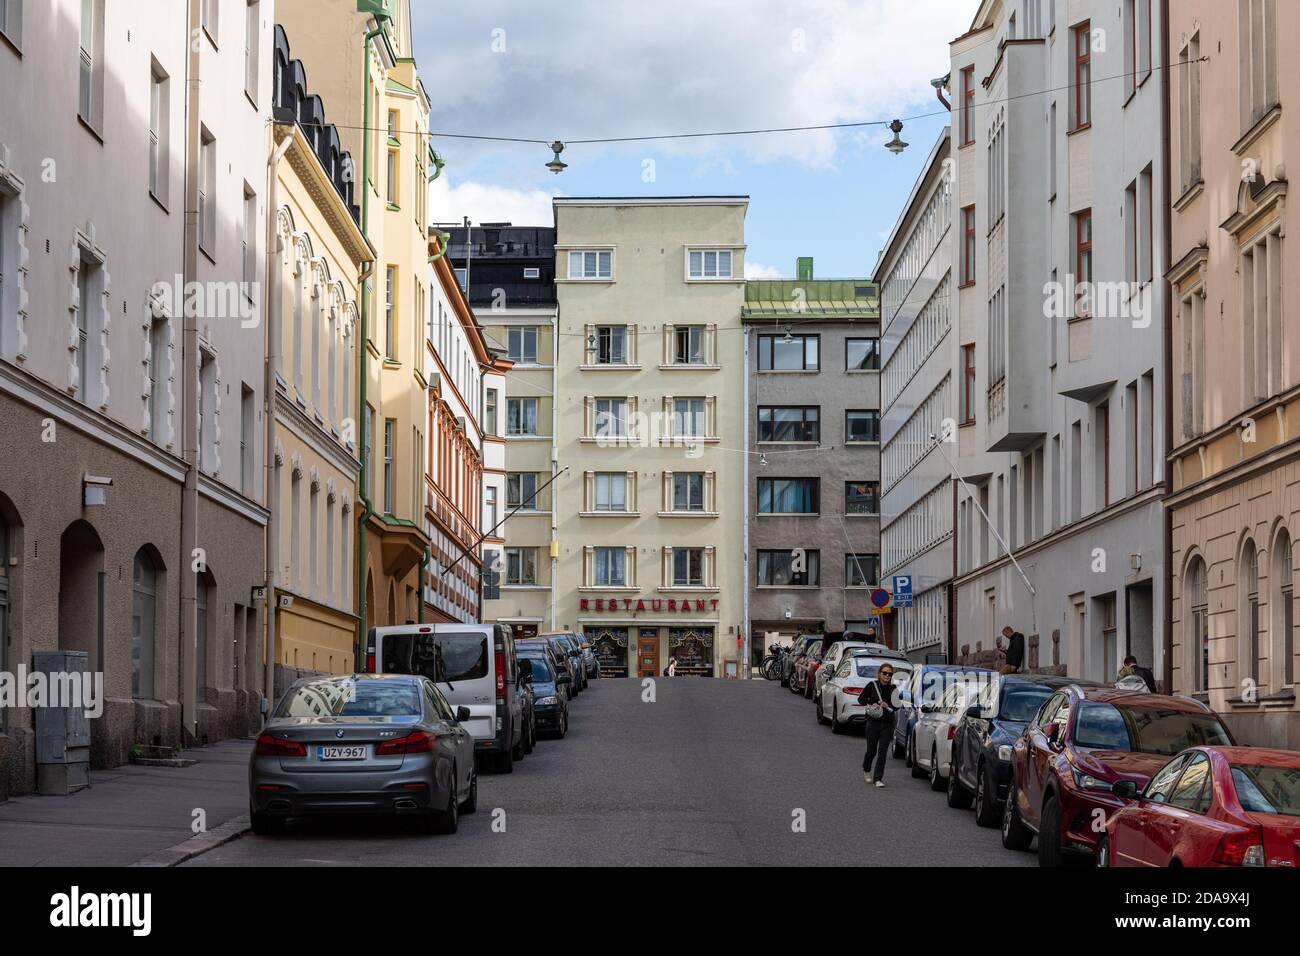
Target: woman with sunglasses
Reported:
[(878, 696)]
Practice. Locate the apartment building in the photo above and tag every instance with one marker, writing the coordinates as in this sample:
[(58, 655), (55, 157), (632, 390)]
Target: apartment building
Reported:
[(508, 273), (317, 254), (1235, 355), (812, 386), (133, 186), (384, 121), (650, 424), (1058, 358), (917, 391)]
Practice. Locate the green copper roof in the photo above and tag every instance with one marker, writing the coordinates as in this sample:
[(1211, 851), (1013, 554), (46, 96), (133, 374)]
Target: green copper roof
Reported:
[(396, 87), (850, 298)]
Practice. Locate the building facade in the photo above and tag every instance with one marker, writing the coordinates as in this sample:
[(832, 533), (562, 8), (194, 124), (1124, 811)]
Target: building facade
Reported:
[(917, 533), (650, 418), (1058, 358), (1235, 367), (509, 274), (132, 509), (813, 455)]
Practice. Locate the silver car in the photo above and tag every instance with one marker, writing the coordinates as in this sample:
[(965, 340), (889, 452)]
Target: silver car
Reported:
[(365, 743)]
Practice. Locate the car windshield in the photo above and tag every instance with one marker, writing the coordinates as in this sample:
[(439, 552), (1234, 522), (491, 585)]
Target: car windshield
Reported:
[(866, 667), (1021, 701), (440, 657), (1150, 730), (351, 698), (541, 670), (1268, 789)]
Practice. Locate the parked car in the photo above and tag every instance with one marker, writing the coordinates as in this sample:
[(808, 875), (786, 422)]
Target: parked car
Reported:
[(933, 733), (803, 668), (798, 647), (472, 664), (837, 649), (363, 743), (524, 690), (1210, 806), (590, 659), (564, 662), (573, 648), (982, 744), (551, 704), (1079, 745), (927, 681), (839, 693)]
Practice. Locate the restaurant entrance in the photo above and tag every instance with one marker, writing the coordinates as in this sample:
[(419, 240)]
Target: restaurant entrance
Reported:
[(647, 652)]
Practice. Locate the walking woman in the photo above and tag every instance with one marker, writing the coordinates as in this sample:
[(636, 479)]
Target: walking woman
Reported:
[(879, 698)]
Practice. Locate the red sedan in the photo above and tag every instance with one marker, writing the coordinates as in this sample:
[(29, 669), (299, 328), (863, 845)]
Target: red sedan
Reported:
[(1210, 806)]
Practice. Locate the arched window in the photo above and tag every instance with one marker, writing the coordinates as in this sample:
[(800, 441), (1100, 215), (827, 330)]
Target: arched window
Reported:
[(202, 591), (1282, 645), (1248, 584), (1195, 593), (144, 607)]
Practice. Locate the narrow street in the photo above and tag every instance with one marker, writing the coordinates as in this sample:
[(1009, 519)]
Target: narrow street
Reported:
[(709, 774)]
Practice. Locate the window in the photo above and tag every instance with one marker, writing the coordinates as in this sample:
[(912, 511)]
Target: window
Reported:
[(521, 416), (688, 491), (208, 17), (689, 418), (11, 25), (521, 490), (159, 116), (688, 567), (521, 345), (392, 126), (313, 541), (1258, 59), (252, 47), (861, 570), (967, 105), (789, 353), (968, 384), (1083, 263), (610, 491), (532, 272), (201, 595), (248, 242), (370, 452), (1197, 621), (611, 418), (788, 496), (1189, 113), (1192, 322), (862, 498), (794, 423), (390, 472), (247, 438), (688, 345), (709, 263), (390, 313), (1283, 643), (611, 345), (789, 568), (591, 264), (1137, 49), (1261, 313), (490, 515), (90, 86), (490, 412), (862, 355), (144, 603), (968, 246), (1082, 85), (521, 566), (1194, 789), (207, 410), (862, 426), (608, 566), (394, 164), (1101, 450), (1249, 584), (158, 330), (207, 192)]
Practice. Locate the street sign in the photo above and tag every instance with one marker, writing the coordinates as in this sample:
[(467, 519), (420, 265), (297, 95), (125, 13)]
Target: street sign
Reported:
[(881, 599), (902, 590)]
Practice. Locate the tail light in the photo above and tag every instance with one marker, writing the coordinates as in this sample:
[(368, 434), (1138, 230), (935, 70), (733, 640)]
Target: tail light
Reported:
[(370, 662), (952, 731), (1240, 849), (501, 672), (268, 746), (416, 742), (854, 690)]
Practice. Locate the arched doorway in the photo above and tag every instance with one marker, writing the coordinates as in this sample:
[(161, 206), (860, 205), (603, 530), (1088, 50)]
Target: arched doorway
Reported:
[(146, 586), (82, 592)]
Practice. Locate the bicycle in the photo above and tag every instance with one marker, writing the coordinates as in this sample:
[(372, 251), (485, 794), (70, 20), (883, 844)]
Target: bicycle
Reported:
[(771, 665)]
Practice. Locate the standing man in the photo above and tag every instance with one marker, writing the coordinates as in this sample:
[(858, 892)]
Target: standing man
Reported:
[(1015, 650), (879, 698), (1133, 667)]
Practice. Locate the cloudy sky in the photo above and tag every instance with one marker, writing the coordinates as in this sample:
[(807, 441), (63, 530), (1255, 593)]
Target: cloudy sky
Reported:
[(581, 69)]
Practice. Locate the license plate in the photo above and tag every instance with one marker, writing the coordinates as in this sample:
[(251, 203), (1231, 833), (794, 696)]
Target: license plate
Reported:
[(355, 752)]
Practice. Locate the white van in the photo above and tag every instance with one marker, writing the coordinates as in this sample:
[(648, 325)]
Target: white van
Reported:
[(473, 665)]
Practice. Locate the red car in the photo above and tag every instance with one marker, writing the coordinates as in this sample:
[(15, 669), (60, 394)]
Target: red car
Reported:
[(1080, 744), (805, 670), (1210, 806)]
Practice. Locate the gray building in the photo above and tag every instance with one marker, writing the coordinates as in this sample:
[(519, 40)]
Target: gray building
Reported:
[(812, 442)]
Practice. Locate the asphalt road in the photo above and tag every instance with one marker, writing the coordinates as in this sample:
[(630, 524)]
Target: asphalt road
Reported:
[(712, 772)]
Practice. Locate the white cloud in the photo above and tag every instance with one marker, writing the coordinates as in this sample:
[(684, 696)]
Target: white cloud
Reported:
[(487, 203), (756, 270)]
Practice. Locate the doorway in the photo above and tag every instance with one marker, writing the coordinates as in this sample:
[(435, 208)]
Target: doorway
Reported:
[(647, 652)]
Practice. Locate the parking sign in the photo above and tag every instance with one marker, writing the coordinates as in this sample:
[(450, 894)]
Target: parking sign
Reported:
[(902, 590)]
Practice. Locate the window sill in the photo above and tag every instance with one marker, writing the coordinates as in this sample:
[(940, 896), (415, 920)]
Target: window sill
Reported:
[(687, 514), (1079, 129), (605, 281), (688, 366), (967, 285), (862, 514), (608, 367), (609, 514), (392, 363), (694, 280), (530, 367), (789, 371), (207, 255), (788, 514), (159, 203), (812, 442), (252, 101), (525, 587), (12, 43), (529, 512), (1259, 129), (393, 207), (606, 588), (85, 124), (862, 371), (787, 587), (1189, 195), (619, 441), (862, 444), (685, 441), (689, 589), (528, 438)]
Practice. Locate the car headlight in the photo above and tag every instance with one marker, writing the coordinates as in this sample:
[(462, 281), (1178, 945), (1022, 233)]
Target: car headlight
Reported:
[(1004, 753), (1086, 781), (548, 701)]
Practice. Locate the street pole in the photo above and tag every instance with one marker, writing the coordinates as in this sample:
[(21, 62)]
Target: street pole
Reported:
[(487, 534)]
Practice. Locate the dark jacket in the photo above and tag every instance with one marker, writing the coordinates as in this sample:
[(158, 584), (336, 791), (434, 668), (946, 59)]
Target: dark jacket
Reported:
[(1016, 650), (873, 694), (1146, 675)]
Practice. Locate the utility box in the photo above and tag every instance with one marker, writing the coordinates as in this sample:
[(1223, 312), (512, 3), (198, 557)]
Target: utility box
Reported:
[(62, 733)]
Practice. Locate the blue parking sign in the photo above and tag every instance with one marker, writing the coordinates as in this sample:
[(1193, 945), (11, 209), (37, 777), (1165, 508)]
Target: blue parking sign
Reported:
[(902, 590)]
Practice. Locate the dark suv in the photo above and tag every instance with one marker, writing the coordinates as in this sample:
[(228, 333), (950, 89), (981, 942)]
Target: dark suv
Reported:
[(1079, 745)]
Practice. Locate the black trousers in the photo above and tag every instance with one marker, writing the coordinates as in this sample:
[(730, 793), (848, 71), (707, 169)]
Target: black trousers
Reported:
[(880, 737)]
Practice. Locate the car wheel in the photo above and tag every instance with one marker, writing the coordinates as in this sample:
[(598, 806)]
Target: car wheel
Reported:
[(471, 802), (937, 781), (505, 761), (1103, 851), (958, 795), (917, 770), (448, 820), (1049, 833), (986, 798), (817, 706), (900, 752), (564, 726), (530, 736), (518, 751), (836, 726), (264, 824), (1015, 835)]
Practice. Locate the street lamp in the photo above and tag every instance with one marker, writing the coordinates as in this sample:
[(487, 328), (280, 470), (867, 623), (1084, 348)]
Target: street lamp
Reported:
[(896, 145), (557, 165)]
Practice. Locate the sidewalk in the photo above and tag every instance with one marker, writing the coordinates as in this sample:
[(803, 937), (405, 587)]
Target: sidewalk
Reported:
[(131, 813)]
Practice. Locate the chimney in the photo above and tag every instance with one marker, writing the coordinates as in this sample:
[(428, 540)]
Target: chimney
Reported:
[(803, 268)]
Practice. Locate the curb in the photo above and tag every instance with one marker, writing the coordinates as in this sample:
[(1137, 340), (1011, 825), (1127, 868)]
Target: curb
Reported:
[(231, 830)]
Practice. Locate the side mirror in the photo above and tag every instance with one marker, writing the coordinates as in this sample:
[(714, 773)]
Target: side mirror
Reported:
[(462, 714), (975, 712), (1124, 789)]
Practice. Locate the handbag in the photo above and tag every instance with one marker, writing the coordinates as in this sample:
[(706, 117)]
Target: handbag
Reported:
[(875, 709)]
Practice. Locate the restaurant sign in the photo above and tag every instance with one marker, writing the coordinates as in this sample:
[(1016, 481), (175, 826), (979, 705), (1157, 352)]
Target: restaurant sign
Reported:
[(629, 605)]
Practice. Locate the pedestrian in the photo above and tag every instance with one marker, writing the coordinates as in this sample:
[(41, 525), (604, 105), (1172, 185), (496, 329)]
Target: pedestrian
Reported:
[(1015, 650), (671, 669), (1135, 669), (878, 696)]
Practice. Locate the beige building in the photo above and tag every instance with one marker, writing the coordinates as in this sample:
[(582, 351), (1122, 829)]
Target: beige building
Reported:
[(651, 421), (1235, 429)]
